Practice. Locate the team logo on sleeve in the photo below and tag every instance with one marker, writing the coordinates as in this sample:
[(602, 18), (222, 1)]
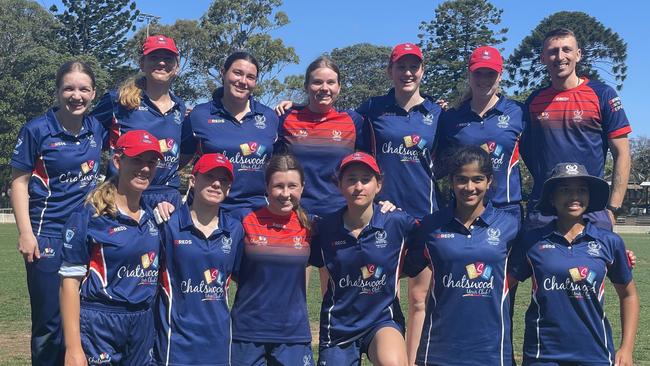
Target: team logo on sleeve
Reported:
[(503, 121), (493, 234), (380, 239), (260, 121), (69, 234), (226, 244), (615, 104), (415, 140), (252, 148), (18, 143), (593, 248)]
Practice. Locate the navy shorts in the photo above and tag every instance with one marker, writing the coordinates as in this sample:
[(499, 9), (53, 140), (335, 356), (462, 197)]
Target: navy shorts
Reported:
[(542, 362), (116, 336), (272, 354), (349, 354)]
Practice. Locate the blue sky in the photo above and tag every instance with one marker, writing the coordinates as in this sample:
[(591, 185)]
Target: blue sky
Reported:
[(319, 26)]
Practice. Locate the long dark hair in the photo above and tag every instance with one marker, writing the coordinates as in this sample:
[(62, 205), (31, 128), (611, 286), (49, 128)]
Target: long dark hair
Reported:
[(285, 163), (468, 154)]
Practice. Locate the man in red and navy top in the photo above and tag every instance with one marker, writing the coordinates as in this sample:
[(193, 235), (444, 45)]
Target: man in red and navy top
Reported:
[(574, 119)]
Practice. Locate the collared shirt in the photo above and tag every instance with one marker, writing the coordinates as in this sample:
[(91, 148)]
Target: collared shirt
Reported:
[(566, 318), (119, 253), (192, 315), (271, 303), (248, 143), (363, 273), (402, 142), (571, 126), (64, 168), (498, 133), (320, 141), (467, 316), (166, 127)]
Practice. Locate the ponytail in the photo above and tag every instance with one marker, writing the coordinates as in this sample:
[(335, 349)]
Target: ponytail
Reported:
[(130, 92), (102, 199)]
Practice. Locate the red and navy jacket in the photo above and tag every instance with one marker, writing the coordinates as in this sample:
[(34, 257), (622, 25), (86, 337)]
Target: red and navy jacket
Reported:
[(363, 273), (64, 168), (403, 143), (210, 128), (467, 315), (271, 304), (166, 127), (191, 315), (497, 132), (571, 126), (118, 255), (320, 141), (566, 320)]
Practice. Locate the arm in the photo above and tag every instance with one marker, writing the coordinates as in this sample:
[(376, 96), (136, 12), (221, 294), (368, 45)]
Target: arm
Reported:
[(69, 301), (27, 243), (629, 304), (620, 147)]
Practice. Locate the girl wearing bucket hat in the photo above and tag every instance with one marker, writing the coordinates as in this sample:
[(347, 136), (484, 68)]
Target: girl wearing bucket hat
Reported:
[(467, 245), (110, 263), (483, 117), (361, 249), (568, 260), (201, 249), (146, 102)]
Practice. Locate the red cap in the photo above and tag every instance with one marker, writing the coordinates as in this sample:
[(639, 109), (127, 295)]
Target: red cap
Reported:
[(208, 162), (360, 157), (404, 49), (486, 56), (159, 42), (136, 142)]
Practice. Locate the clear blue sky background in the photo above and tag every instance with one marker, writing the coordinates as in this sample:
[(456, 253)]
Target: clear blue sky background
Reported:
[(319, 26)]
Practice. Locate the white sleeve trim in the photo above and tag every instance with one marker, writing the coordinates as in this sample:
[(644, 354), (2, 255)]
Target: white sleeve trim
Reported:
[(72, 270)]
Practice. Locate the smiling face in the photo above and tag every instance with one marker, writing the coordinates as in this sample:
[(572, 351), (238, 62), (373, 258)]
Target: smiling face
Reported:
[(359, 185), (240, 79), (284, 190), (406, 74), (75, 94), (211, 187), (159, 66), (136, 173), (323, 88), (560, 55), (484, 82), (570, 198), (470, 185)]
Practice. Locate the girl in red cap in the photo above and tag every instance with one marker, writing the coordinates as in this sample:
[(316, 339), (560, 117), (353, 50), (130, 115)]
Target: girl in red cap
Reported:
[(361, 249), (146, 102), (201, 249), (110, 263)]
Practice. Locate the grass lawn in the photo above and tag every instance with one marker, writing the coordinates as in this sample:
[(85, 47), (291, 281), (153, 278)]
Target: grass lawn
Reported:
[(15, 322)]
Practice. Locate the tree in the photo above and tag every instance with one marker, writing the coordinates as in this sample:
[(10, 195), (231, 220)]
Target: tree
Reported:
[(448, 40), (189, 38), (603, 52), (98, 28), (234, 25), (363, 72), (640, 149)]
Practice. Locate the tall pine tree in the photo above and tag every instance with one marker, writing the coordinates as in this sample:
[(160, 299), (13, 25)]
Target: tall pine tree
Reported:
[(98, 28), (448, 40)]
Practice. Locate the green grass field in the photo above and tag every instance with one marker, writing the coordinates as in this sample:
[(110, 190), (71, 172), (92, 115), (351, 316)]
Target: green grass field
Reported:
[(15, 313)]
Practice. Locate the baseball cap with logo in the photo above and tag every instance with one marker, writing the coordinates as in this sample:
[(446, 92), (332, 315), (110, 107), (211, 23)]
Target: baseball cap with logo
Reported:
[(208, 162), (404, 49), (486, 56), (360, 158), (598, 188), (159, 42), (136, 142)]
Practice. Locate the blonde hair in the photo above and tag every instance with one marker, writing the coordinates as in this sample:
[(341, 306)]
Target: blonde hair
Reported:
[(130, 92), (102, 199)]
